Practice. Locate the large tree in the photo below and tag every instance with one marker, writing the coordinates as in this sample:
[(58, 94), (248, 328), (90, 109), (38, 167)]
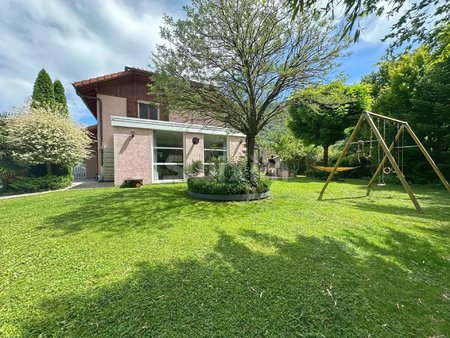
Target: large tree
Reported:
[(238, 61), (60, 97), (322, 113), (43, 94), (415, 87)]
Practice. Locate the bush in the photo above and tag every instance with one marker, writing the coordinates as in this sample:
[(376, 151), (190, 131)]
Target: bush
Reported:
[(210, 186), (194, 168), (230, 178), (234, 172), (34, 184)]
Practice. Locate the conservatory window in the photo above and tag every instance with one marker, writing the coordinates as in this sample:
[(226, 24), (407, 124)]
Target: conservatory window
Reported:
[(168, 156), (215, 150)]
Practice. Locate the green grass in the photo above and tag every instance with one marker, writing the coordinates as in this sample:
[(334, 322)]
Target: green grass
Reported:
[(155, 262)]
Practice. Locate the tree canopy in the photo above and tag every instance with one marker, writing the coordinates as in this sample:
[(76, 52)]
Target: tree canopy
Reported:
[(39, 135), (60, 97), (237, 61), (415, 87), (279, 139), (43, 90), (322, 113)]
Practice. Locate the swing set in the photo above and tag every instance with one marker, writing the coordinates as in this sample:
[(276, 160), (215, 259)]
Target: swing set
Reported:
[(396, 166)]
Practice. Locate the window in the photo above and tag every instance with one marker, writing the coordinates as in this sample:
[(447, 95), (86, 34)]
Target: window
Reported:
[(215, 148), (148, 111), (168, 156)]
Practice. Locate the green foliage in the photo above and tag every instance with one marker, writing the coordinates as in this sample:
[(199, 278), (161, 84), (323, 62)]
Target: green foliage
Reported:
[(399, 81), (43, 94), (230, 178), (211, 186), (194, 168), (60, 98), (8, 168), (322, 113), (234, 172), (414, 88), (42, 136), (237, 61), (293, 152), (42, 183)]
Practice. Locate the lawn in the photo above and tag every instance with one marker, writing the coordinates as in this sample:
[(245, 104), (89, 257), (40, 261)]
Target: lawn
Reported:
[(155, 262)]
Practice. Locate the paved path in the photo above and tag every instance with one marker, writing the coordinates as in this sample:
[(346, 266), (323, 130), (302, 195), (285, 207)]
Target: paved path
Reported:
[(90, 184), (81, 184)]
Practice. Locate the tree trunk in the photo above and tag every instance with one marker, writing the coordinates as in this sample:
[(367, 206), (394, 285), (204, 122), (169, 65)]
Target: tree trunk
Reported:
[(325, 155), (250, 140), (49, 168)]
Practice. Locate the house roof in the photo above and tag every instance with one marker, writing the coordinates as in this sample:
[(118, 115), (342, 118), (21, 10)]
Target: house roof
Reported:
[(88, 89), (128, 70), (98, 79)]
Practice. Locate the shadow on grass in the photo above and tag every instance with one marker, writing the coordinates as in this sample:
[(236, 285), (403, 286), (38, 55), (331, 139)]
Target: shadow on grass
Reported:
[(158, 207), (434, 200), (436, 211), (309, 287)]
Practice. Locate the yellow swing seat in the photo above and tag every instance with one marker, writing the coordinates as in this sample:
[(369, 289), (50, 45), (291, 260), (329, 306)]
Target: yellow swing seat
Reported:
[(330, 169)]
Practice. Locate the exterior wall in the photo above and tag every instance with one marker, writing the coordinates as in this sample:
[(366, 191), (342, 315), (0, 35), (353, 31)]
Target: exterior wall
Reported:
[(132, 155), (175, 117), (193, 152), (236, 148), (111, 106), (91, 166), (133, 88)]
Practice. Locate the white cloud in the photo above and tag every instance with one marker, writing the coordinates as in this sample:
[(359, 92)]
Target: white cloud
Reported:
[(79, 39), (376, 28), (72, 40)]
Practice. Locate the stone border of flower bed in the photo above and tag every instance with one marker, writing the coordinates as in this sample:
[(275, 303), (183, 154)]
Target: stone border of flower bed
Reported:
[(229, 198)]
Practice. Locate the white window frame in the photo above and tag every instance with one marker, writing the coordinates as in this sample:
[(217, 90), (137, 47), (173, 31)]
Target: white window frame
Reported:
[(155, 104), (226, 150), (155, 164)]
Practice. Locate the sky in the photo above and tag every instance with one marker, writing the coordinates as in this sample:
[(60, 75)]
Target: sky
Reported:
[(80, 39)]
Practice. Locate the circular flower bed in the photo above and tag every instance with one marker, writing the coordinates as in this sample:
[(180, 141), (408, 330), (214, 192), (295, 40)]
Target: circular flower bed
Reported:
[(211, 189)]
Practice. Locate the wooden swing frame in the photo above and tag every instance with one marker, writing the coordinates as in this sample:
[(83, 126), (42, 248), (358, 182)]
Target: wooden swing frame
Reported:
[(368, 116)]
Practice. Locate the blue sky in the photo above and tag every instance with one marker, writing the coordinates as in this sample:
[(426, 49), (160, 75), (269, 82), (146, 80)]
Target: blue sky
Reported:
[(79, 39)]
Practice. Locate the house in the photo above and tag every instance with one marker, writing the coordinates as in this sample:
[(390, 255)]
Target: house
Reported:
[(138, 139)]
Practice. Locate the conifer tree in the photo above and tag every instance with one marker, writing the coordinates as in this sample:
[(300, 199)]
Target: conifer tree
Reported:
[(43, 90), (60, 97)]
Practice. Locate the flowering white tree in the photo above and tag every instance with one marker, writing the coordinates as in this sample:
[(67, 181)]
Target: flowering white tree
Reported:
[(37, 135)]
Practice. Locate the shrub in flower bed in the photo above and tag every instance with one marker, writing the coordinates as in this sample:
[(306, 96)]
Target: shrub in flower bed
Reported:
[(229, 179)]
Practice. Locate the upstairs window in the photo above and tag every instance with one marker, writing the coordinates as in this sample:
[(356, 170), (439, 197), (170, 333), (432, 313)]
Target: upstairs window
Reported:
[(149, 111)]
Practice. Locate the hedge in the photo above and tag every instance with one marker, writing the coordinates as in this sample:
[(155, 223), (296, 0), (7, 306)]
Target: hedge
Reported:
[(42, 183), (211, 186)]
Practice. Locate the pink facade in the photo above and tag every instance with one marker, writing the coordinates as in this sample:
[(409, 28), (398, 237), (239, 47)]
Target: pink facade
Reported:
[(132, 155), (138, 139), (138, 146), (194, 152)]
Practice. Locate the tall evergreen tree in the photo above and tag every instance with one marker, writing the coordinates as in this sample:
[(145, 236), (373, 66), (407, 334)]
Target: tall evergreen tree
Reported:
[(43, 90), (60, 97)]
